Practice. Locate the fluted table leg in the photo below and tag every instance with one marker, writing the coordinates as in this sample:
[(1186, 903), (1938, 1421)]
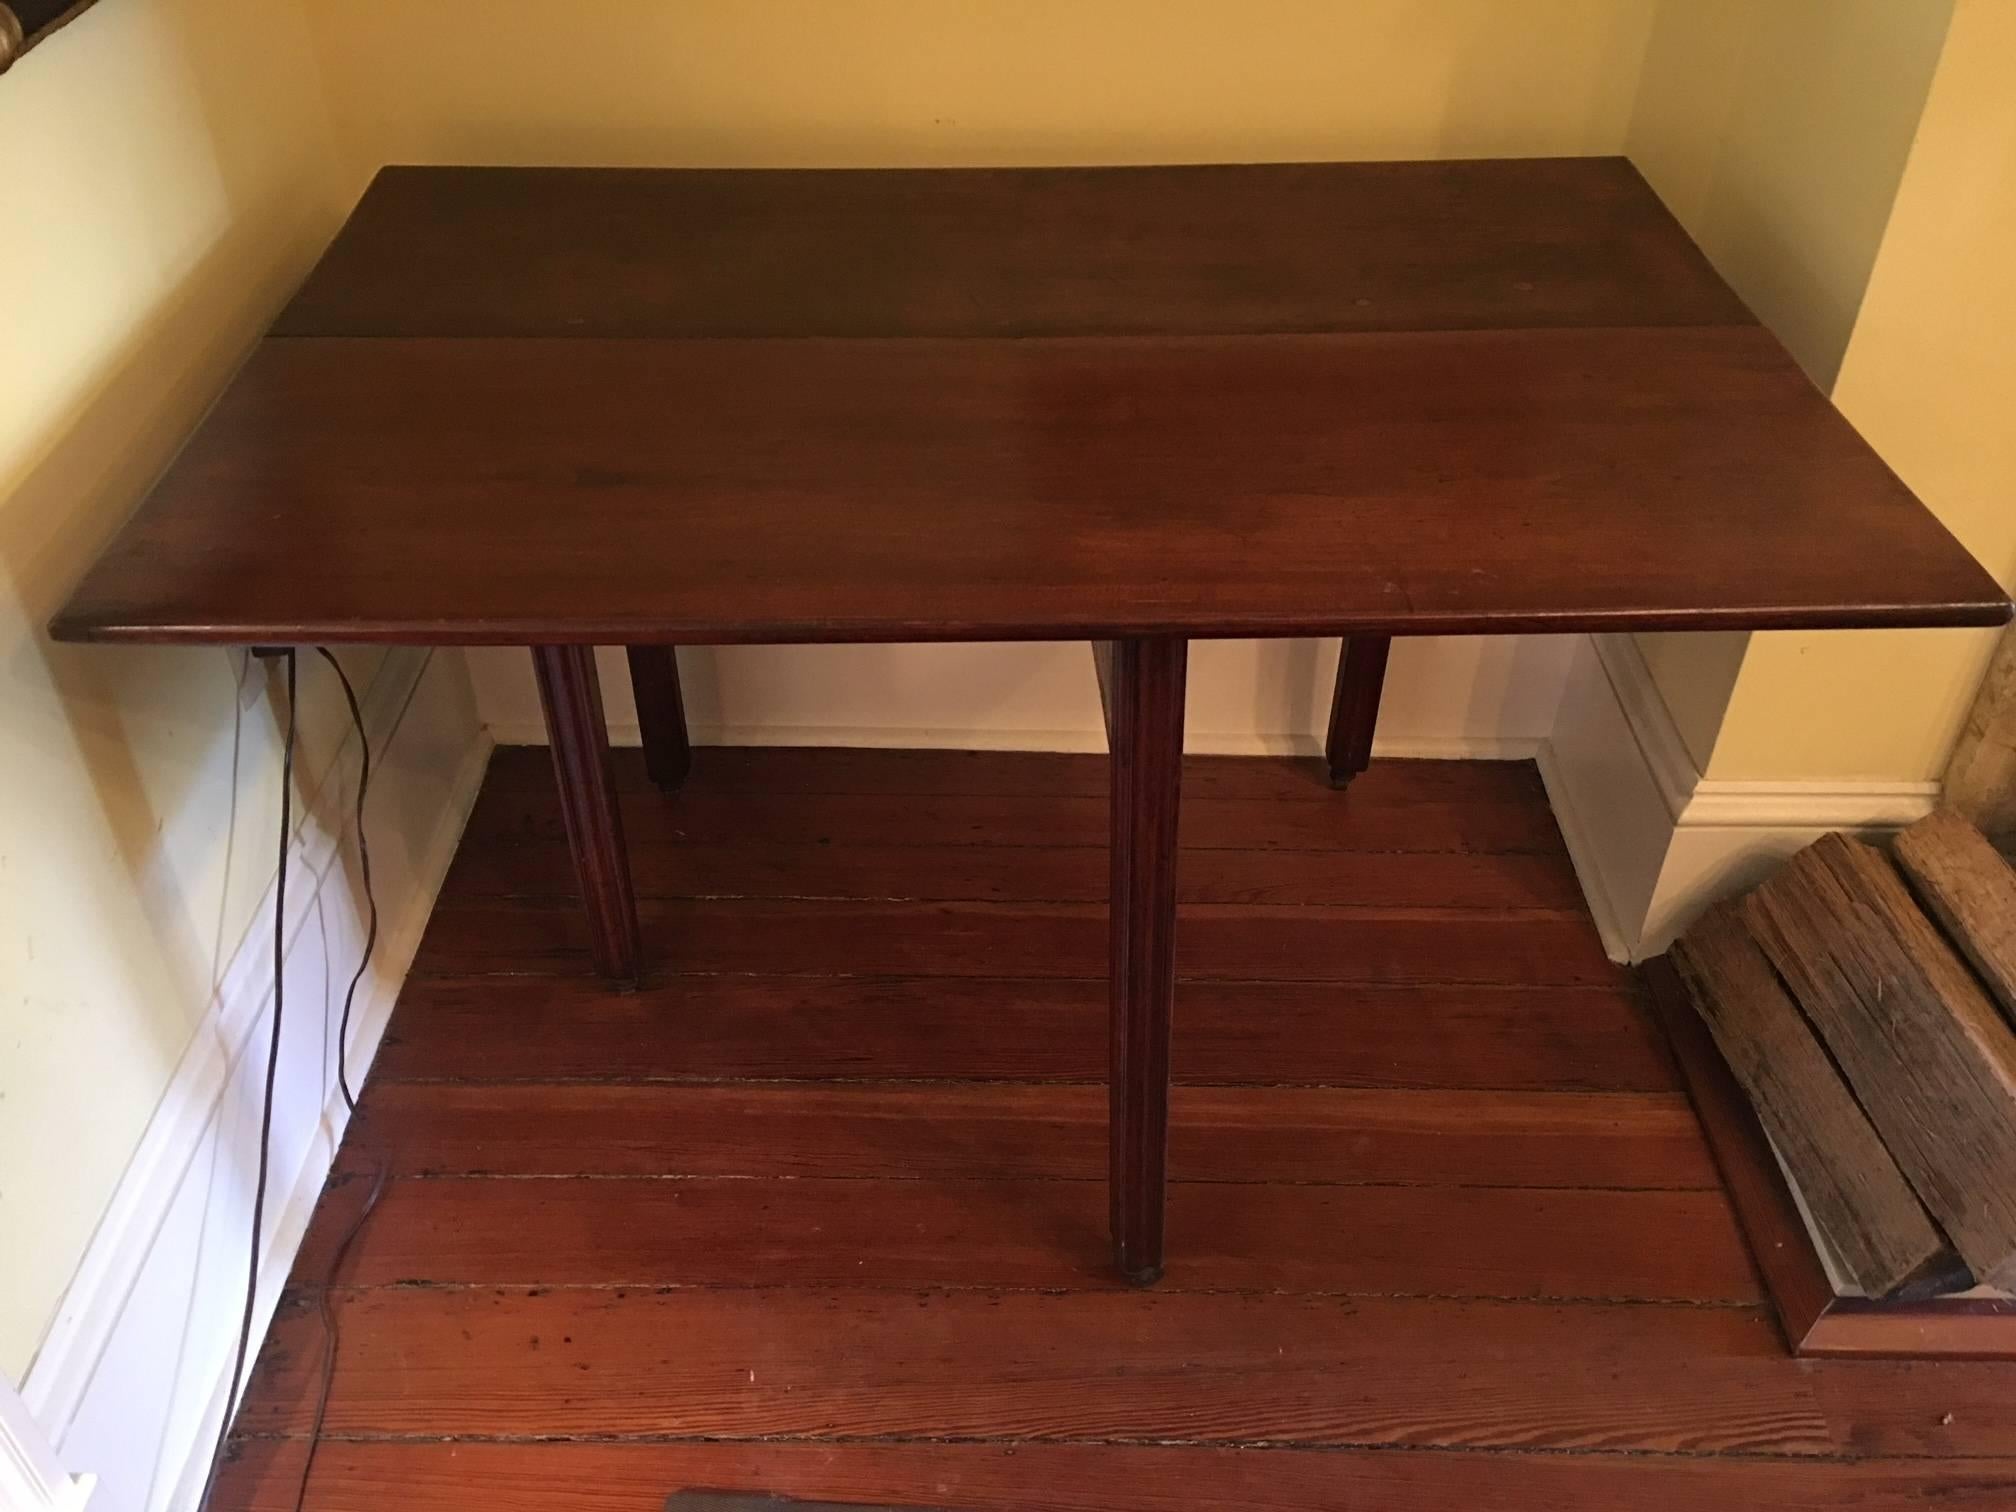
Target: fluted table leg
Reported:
[(661, 715), (1361, 675), (1144, 694), (572, 698)]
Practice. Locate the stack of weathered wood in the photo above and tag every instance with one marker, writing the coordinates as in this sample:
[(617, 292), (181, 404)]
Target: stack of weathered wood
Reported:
[(1863, 1003)]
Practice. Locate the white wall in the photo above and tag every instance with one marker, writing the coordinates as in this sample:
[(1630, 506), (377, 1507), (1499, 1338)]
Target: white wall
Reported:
[(1444, 697)]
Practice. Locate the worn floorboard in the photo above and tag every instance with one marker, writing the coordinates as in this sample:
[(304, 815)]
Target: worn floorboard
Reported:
[(999, 1130), (819, 1210), (370, 1476), (1215, 941), (1230, 1236), (1398, 1034)]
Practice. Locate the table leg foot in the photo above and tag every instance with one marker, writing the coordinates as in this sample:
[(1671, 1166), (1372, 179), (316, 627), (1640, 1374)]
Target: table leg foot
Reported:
[(1145, 721), (572, 699), (1361, 674), (661, 715)]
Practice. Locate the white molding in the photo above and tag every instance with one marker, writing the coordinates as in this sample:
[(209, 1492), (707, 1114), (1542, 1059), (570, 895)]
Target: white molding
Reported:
[(1652, 840), (1693, 799), (1809, 805), (912, 737), (70, 1350), (1660, 744), (1454, 747), (173, 1207), (1579, 836), (288, 1223), (32, 1478)]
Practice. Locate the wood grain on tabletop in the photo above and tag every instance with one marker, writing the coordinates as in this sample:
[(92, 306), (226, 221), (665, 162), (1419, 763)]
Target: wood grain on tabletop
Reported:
[(1204, 250), (617, 491)]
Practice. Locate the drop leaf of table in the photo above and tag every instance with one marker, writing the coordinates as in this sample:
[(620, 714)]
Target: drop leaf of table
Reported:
[(1139, 406)]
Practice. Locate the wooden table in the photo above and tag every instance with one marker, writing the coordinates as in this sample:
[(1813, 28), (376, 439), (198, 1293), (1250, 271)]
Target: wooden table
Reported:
[(562, 408)]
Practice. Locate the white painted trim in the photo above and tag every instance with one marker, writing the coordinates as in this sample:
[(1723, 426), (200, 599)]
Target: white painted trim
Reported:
[(910, 737), (1653, 841), (1457, 747), (288, 1221), (1693, 799), (399, 941), (1660, 745), (32, 1478), (174, 1208), (70, 1351), (1810, 805), (1578, 834)]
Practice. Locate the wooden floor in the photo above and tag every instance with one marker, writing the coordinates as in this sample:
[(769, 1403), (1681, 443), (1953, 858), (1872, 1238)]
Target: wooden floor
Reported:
[(820, 1210)]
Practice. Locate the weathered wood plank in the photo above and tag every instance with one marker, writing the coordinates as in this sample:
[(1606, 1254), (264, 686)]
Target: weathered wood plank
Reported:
[(1047, 873), (744, 1363), (1635, 1140), (1861, 1203), (909, 1234), (372, 1475), (1980, 780), (1017, 1029), (1970, 890), (1925, 1050), (1258, 942)]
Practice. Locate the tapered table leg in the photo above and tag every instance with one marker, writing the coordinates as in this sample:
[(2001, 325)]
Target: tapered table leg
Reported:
[(661, 715), (572, 698), (1361, 674), (1144, 698)]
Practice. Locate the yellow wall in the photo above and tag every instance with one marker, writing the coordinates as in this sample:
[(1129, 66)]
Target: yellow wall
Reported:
[(171, 167), (1930, 379), (900, 82), (916, 82), (1777, 133), (167, 176)]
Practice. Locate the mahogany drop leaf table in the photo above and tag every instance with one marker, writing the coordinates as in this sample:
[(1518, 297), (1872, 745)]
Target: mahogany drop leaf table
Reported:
[(558, 408)]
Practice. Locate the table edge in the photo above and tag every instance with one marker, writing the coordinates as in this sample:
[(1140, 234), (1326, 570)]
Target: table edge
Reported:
[(1982, 613)]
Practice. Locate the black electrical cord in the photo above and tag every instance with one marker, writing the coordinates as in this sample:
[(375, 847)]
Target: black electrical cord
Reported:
[(327, 1310), (330, 1335), (328, 1315), (266, 1104), (364, 870)]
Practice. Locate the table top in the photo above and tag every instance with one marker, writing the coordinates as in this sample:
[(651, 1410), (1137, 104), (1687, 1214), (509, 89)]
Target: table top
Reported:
[(623, 406)]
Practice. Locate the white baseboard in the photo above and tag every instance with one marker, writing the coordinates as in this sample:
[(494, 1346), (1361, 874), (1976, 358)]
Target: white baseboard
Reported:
[(32, 1477), (1654, 841), (1454, 747), (130, 1379), (1586, 852), (909, 737)]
